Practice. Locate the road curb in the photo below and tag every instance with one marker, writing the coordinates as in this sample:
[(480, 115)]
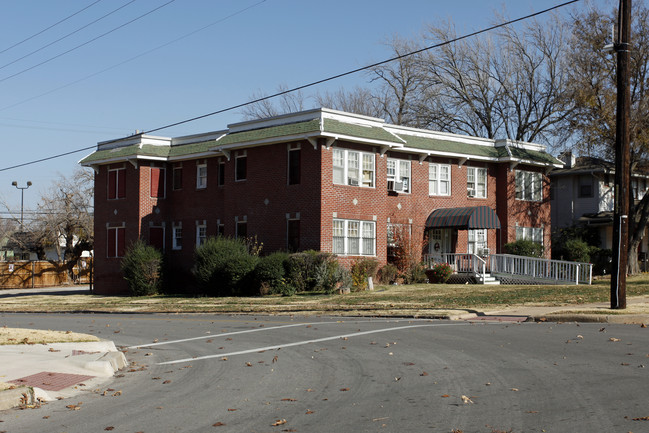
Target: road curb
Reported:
[(20, 396), (630, 319)]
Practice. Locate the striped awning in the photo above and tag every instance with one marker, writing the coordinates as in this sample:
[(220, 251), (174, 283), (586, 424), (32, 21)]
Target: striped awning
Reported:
[(479, 217)]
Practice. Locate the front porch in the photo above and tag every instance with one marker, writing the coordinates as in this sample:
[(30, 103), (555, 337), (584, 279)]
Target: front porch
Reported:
[(510, 269)]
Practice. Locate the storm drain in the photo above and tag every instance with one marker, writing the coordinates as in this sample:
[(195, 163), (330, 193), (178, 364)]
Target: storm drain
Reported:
[(51, 381)]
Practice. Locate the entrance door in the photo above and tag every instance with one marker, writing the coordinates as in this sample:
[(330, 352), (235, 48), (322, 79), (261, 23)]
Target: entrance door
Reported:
[(441, 241)]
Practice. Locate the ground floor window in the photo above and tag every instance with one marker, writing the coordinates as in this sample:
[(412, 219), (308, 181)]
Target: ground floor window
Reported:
[(116, 241), (177, 241), (354, 238), (293, 235), (201, 234), (477, 241), (534, 234)]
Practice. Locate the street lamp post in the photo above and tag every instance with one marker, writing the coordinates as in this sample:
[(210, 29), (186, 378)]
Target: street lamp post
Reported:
[(22, 197)]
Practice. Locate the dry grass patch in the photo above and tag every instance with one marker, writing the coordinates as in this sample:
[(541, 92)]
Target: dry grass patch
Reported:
[(35, 336)]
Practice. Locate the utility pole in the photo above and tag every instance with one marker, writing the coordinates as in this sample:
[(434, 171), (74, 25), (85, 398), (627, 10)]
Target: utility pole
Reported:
[(622, 161)]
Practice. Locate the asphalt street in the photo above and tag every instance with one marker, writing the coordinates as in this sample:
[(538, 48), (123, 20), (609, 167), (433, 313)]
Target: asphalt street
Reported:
[(198, 373)]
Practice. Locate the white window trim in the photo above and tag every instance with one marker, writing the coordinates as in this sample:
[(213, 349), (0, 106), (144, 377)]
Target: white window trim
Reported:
[(174, 244), (201, 182), (362, 224), (399, 185), (437, 180), (520, 180), (478, 246), (359, 175), (528, 233), (199, 226), (475, 190)]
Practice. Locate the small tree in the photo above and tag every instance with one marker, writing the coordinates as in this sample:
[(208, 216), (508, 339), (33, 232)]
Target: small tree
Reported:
[(407, 252), (142, 268)]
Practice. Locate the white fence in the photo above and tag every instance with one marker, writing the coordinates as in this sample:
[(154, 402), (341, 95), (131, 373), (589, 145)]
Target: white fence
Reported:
[(544, 271)]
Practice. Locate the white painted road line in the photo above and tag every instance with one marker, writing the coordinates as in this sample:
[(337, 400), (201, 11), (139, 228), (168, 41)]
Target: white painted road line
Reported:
[(203, 337), (317, 340)]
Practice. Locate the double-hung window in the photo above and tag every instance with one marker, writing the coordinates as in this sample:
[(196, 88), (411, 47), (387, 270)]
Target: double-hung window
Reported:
[(177, 176), (117, 183), (477, 241), (177, 236), (353, 168), (534, 234), (439, 179), (476, 182), (398, 175), (529, 185), (201, 175), (116, 241), (241, 166), (354, 238), (201, 233)]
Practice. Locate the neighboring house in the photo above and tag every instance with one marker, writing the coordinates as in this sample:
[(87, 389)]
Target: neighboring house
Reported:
[(583, 192), (319, 179)]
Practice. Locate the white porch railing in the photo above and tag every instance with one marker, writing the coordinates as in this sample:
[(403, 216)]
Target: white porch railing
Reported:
[(507, 265)]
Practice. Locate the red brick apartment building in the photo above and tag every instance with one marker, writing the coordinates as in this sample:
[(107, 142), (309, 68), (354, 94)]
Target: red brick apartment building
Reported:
[(318, 179)]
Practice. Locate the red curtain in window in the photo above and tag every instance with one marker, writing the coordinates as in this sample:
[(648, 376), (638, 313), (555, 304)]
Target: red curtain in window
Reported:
[(112, 184), (121, 183), (121, 241)]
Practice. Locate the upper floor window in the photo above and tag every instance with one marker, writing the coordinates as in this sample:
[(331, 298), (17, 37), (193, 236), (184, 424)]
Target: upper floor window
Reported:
[(117, 183), (240, 166), (221, 173), (157, 187), (177, 176), (294, 165), (201, 174), (585, 186), (476, 182), (398, 175), (353, 168), (529, 185), (439, 179), (354, 238)]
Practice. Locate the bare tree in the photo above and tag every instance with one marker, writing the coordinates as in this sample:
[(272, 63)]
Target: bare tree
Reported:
[(66, 211), (511, 84), (593, 81), (288, 102), (360, 101)]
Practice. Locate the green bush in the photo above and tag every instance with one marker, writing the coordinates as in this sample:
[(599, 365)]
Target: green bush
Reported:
[(361, 270), (576, 250), (440, 273), (312, 270), (223, 267), (415, 274), (525, 248), (142, 268), (388, 274), (270, 272), (329, 275)]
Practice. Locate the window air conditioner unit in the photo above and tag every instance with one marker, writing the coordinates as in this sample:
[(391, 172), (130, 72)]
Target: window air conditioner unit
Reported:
[(471, 193), (485, 252), (352, 182), (398, 186)]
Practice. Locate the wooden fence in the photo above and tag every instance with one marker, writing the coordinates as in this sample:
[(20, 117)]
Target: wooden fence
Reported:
[(24, 274)]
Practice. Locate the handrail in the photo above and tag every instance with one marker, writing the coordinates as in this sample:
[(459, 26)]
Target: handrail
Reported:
[(543, 270)]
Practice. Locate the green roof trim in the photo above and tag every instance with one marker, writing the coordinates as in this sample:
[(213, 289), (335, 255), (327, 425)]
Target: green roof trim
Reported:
[(437, 145), (332, 126), (126, 152), (269, 133), (533, 155)]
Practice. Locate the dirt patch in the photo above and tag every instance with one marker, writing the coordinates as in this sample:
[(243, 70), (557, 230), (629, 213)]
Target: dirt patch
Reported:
[(37, 336)]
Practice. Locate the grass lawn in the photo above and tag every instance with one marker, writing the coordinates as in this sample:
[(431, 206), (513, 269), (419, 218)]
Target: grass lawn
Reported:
[(389, 300)]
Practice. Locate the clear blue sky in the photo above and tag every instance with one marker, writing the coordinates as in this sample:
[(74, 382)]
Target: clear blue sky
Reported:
[(68, 103)]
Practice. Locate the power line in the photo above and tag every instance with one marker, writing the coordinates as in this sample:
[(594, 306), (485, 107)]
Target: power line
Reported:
[(133, 58), (47, 28), (68, 35), (314, 83), (85, 43)]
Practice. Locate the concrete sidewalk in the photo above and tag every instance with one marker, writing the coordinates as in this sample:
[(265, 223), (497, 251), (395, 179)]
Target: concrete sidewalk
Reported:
[(637, 312), (45, 372)]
